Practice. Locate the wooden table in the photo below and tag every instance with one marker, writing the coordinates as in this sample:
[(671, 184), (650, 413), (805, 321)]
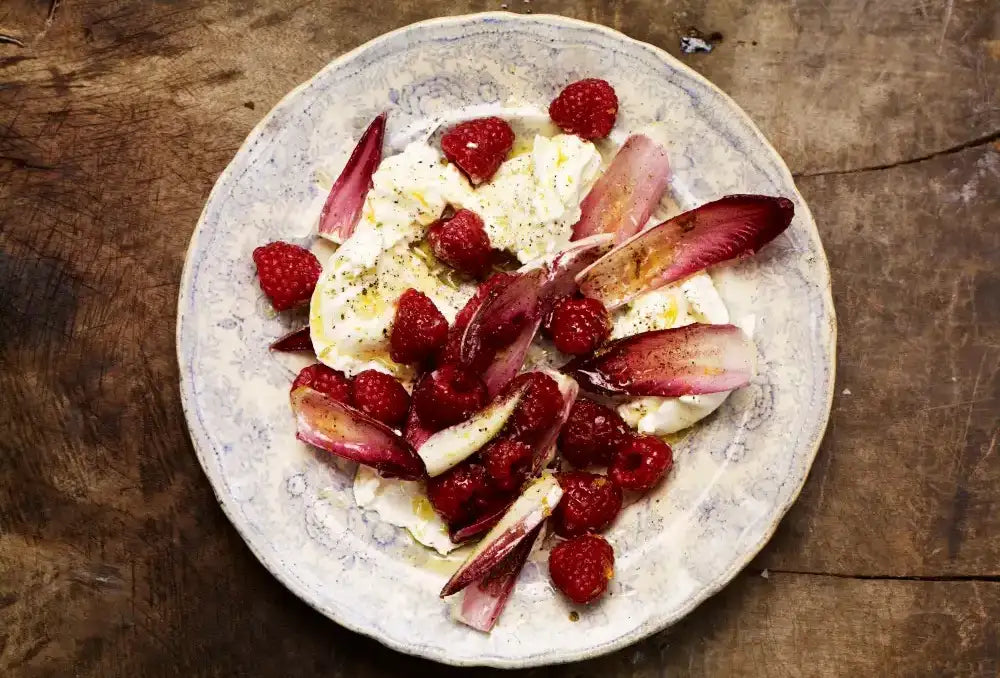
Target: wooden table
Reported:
[(115, 119)]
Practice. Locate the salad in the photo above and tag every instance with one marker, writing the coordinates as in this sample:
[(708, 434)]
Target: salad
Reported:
[(506, 332)]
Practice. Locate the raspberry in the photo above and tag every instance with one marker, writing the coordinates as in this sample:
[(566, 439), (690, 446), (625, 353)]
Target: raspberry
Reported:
[(539, 407), (589, 503), (381, 397), (507, 462), (587, 108), (418, 330), (578, 326), (287, 273), (462, 243), (639, 464), (581, 567), (592, 433), (452, 349), (478, 146), (326, 380), (549, 312), (453, 494), (447, 396)]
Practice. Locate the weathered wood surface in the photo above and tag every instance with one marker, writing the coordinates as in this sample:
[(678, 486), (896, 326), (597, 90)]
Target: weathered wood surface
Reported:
[(115, 119)]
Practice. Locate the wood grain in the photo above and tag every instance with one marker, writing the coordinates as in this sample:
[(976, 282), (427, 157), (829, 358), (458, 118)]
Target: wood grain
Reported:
[(115, 119), (908, 479)]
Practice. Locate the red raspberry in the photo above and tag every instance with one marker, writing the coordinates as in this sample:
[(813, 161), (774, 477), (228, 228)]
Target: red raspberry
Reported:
[(462, 243), (581, 567), (587, 108), (381, 397), (326, 380), (592, 433), (452, 350), (639, 464), (447, 396), (507, 462), (490, 500), (418, 330), (589, 503), (549, 312), (478, 146), (453, 494), (287, 273), (539, 407), (578, 326)]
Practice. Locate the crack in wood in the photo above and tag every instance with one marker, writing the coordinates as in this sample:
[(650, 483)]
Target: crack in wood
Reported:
[(21, 163), (53, 7), (972, 143), (986, 578), (10, 40)]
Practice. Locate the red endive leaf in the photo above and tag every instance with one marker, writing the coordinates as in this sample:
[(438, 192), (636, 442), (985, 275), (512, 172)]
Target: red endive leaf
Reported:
[(508, 361), (483, 601), (688, 360), (715, 232), (534, 505), (452, 445), (534, 290), (343, 206), (625, 196), (481, 525), (515, 303), (415, 432), (344, 431), (544, 450), (571, 261), (297, 340)]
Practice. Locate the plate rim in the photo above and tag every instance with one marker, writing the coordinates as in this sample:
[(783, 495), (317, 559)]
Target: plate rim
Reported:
[(651, 625)]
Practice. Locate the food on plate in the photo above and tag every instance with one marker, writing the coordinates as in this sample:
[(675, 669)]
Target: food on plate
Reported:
[(590, 503), (587, 108), (591, 434), (581, 567), (418, 331), (447, 396), (641, 463), (478, 147), (287, 273), (326, 380), (578, 326), (624, 197), (504, 337), (689, 360), (462, 243), (336, 427), (455, 444), (296, 340), (535, 504), (347, 197), (380, 396), (690, 242)]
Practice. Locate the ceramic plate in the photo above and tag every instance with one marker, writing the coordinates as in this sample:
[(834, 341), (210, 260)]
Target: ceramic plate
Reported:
[(736, 473)]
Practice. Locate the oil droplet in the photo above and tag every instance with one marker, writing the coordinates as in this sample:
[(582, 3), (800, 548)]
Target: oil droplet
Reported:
[(673, 439), (422, 508)]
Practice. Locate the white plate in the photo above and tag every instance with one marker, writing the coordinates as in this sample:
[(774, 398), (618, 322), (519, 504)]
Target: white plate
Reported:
[(735, 475)]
